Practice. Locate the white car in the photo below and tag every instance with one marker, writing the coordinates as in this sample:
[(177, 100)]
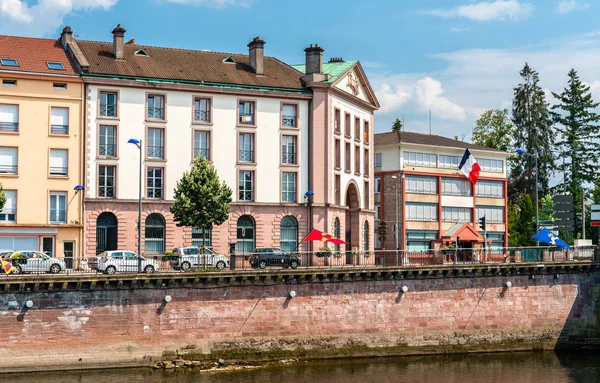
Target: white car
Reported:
[(110, 262), (189, 256), (31, 261)]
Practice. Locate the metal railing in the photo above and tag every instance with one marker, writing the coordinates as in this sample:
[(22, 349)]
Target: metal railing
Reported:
[(205, 153), (156, 151), (202, 115), (107, 150), (9, 127), (246, 195), (246, 155), (247, 118), (59, 171), (347, 165), (59, 129), (289, 121), (288, 158), (106, 191), (338, 161), (155, 193), (9, 169), (156, 113), (107, 110)]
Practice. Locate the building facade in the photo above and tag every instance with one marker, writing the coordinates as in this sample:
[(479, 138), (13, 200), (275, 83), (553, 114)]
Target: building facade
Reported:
[(40, 148), (419, 186)]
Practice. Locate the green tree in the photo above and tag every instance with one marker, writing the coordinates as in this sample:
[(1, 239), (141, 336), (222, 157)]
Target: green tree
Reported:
[(578, 124), (532, 132), (397, 125), (547, 209), (494, 130), (521, 222), (2, 198), (201, 200)]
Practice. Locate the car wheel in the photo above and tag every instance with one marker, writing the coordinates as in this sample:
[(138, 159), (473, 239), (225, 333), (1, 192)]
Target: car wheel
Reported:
[(220, 265), (18, 270), (294, 264), (55, 269), (262, 264), (111, 270), (148, 269), (185, 266)]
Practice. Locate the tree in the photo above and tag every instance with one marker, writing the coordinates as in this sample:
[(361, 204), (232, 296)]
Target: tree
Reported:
[(532, 132), (397, 125), (521, 222), (547, 209), (2, 198), (579, 134), (494, 130), (201, 200)]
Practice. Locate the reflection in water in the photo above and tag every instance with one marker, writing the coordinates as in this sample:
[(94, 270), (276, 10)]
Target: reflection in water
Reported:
[(492, 368)]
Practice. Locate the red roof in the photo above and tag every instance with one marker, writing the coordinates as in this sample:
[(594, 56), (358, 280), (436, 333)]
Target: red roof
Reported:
[(33, 54)]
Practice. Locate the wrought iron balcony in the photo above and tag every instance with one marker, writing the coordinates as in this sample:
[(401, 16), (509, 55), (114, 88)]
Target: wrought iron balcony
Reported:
[(155, 151), (202, 115), (246, 195), (154, 193), (107, 150), (9, 169), (246, 155), (247, 118), (9, 127), (289, 121), (204, 153), (108, 110), (59, 171), (156, 113), (106, 192), (289, 158), (59, 129)]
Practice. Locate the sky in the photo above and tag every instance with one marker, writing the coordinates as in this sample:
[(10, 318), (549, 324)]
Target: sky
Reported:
[(455, 58)]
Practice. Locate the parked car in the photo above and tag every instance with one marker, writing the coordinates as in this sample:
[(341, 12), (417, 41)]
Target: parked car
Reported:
[(263, 257), (110, 262), (190, 256), (32, 261)]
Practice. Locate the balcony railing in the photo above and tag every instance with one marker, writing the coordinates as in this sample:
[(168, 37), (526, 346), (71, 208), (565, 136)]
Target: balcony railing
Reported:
[(58, 171), (246, 195), (155, 151), (289, 121), (202, 115), (357, 167), (9, 127), (108, 110), (247, 118), (347, 165), (9, 169), (107, 150), (338, 162), (204, 153), (289, 158), (156, 113), (106, 192), (366, 170), (155, 193), (246, 155), (8, 215), (357, 134), (59, 129)]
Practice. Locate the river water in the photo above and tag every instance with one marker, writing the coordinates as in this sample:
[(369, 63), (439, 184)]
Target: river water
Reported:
[(488, 368)]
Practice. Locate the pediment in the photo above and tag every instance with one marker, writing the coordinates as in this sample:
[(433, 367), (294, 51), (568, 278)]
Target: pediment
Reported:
[(355, 83)]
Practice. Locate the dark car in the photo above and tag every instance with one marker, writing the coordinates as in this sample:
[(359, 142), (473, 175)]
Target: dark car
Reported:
[(263, 257)]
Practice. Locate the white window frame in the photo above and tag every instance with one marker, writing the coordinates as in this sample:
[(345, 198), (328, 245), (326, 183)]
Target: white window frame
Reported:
[(59, 120), (9, 118), (420, 159), (449, 162), (288, 187), (55, 199), (10, 207), (202, 143), (242, 187), (456, 214), (457, 187), (491, 165), (59, 163), (289, 150), (493, 214), (9, 160), (425, 212), (421, 184), (490, 189)]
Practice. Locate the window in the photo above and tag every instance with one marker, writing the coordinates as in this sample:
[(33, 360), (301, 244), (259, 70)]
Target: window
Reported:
[(246, 230), (289, 234), (367, 166), (338, 159), (246, 149), (420, 159), (154, 186), (288, 187), (357, 128), (201, 237), (156, 107), (154, 234), (288, 116), (367, 193), (141, 52), (9, 82), (59, 85), (494, 189), (493, 166), (246, 112), (357, 160), (59, 162), (108, 104), (58, 207), (106, 181), (156, 143), (8, 160), (59, 120), (378, 158), (9, 118), (9, 62), (288, 150), (9, 212), (456, 214), (202, 110), (336, 233), (337, 191), (366, 236), (347, 125), (449, 162), (456, 186), (366, 132), (421, 184), (55, 66), (246, 186), (497, 239), (228, 60), (377, 184), (377, 211), (347, 158), (337, 121), (202, 144), (421, 211), (419, 240), (107, 147), (493, 214)]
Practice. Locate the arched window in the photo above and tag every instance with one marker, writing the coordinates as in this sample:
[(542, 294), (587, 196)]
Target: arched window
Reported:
[(366, 236), (336, 232), (246, 239), (155, 234), (289, 234), (106, 232)]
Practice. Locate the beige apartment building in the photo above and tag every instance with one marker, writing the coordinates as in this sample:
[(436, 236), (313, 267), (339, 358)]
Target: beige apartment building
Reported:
[(40, 148)]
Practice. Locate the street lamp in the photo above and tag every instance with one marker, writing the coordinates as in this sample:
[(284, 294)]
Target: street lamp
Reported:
[(138, 143), (308, 196), (537, 212)]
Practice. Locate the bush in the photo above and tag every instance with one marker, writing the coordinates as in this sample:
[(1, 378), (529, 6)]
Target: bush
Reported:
[(324, 252)]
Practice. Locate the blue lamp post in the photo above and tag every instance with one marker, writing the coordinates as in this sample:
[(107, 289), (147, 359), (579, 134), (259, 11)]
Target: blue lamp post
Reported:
[(308, 195), (138, 143), (537, 214)]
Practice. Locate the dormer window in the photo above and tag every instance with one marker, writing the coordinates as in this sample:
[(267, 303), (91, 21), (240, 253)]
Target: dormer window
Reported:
[(228, 60), (141, 52), (9, 62), (55, 66)]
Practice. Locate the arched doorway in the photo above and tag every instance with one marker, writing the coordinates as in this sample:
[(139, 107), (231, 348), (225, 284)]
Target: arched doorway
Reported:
[(154, 234), (246, 235), (106, 232), (352, 219)]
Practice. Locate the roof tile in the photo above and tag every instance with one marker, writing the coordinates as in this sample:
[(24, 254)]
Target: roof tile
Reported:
[(391, 138), (32, 54)]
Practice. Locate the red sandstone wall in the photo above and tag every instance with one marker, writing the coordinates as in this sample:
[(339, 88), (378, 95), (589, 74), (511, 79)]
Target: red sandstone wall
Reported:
[(85, 328)]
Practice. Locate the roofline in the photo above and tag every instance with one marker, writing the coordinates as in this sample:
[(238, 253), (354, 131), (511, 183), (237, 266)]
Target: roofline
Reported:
[(28, 73), (369, 88), (506, 154)]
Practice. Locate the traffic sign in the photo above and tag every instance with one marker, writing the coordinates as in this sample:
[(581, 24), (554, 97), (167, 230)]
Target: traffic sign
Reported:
[(595, 223), (596, 216), (595, 208), (564, 215), (563, 198)]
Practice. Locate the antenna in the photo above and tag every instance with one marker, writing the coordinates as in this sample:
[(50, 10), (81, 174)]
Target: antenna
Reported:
[(430, 121)]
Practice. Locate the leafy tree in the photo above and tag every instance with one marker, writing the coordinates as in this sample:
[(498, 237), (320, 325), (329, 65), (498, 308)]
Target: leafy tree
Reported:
[(201, 200), (397, 125), (521, 222), (2, 198), (533, 132), (494, 130), (578, 124), (547, 209)]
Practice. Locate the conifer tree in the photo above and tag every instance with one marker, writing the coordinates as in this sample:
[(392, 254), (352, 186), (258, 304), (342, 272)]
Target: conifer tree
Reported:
[(397, 125), (2, 198)]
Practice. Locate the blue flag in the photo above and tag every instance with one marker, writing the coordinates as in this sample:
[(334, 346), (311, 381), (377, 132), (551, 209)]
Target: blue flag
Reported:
[(547, 236)]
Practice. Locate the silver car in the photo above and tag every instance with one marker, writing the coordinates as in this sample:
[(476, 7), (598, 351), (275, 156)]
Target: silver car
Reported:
[(34, 262), (110, 262), (189, 256)]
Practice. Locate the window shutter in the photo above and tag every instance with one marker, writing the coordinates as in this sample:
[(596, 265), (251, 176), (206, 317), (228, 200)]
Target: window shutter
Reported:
[(58, 158), (9, 113), (60, 117)]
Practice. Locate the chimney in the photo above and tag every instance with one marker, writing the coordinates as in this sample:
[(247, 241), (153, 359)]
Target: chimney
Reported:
[(66, 36), (256, 53), (314, 59), (118, 37)]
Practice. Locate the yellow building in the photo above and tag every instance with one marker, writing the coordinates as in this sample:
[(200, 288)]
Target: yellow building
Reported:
[(40, 148)]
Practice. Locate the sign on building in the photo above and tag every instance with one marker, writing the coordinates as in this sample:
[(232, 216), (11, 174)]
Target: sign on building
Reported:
[(564, 212)]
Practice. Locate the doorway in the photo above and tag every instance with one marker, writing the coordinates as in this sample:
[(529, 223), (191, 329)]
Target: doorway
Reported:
[(106, 232), (352, 220), (48, 245), (69, 253)]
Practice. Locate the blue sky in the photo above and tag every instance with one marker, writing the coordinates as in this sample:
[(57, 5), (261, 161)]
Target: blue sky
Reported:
[(456, 58)]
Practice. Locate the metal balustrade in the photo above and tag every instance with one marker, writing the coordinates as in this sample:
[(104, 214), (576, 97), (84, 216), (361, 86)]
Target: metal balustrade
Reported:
[(289, 121), (59, 129), (108, 110), (202, 115), (59, 171), (12, 127), (107, 150), (156, 152), (9, 169)]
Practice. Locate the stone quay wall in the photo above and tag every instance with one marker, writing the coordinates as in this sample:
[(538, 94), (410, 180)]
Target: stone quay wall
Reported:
[(107, 321)]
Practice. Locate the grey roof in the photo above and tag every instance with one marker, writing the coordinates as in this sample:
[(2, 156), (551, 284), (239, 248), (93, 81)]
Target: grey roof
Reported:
[(391, 138)]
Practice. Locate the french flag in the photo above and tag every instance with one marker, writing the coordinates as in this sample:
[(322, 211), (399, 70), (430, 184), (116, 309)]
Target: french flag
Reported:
[(470, 167)]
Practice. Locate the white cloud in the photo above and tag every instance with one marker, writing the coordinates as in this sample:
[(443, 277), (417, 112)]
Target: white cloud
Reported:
[(569, 6), (214, 3), (17, 17), (429, 95), (486, 11)]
